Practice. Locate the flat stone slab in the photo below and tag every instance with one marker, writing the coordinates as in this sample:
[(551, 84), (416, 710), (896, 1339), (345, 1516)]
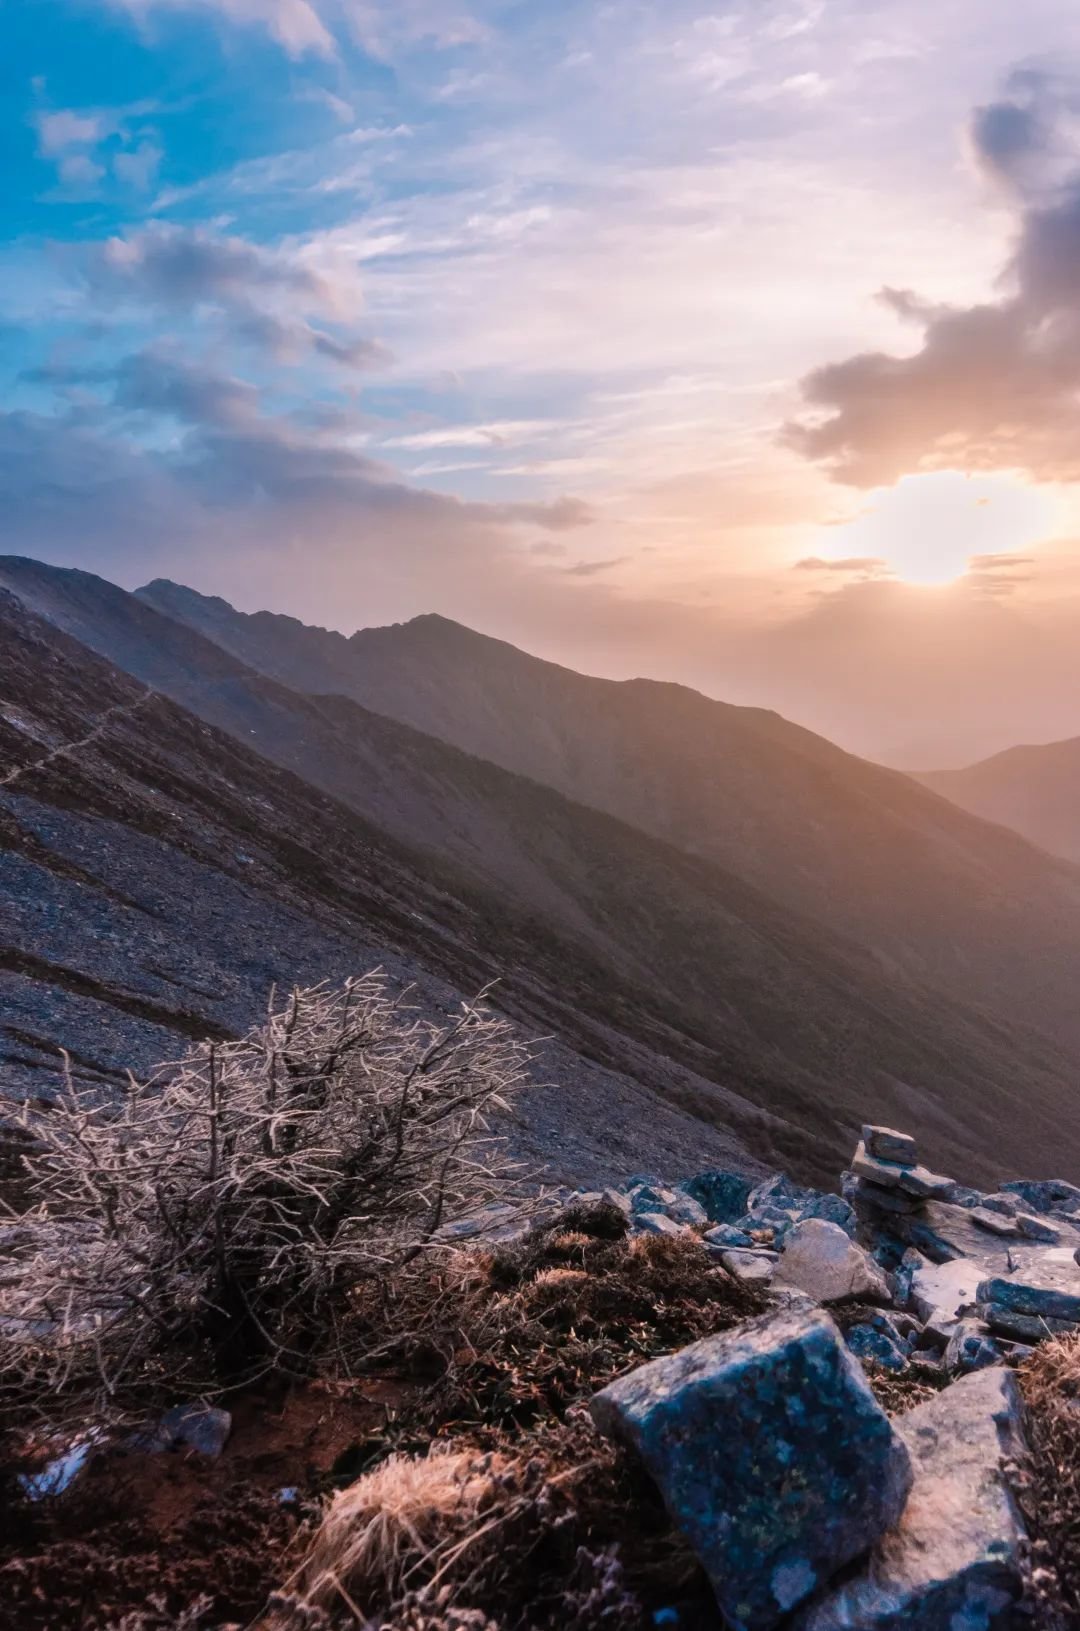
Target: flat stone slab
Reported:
[(752, 1267), (820, 1259), (942, 1290), (889, 1145), (771, 1453), (952, 1563), (1046, 1285), (914, 1180)]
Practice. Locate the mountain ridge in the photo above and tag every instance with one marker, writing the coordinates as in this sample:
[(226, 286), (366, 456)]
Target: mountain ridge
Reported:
[(861, 849), (692, 962)]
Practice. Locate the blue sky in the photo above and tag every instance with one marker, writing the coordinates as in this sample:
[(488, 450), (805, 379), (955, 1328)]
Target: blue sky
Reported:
[(560, 318)]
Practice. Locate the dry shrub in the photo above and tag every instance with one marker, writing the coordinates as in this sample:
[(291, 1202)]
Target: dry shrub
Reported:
[(1048, 1484), (208, 1228)]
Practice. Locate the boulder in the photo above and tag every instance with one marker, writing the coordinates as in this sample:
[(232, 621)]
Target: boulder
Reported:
[(724, 1195), (889, 1145), (953, 1562), (771, 1453), (998, 1223), (820, 1260)]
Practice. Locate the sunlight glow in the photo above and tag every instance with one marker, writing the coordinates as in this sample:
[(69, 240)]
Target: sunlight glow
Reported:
[(927, 529)]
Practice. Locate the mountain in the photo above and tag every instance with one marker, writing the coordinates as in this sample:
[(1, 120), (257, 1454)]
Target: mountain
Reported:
[(931, 892), (669, 970), (158, 878), (1034, 790)]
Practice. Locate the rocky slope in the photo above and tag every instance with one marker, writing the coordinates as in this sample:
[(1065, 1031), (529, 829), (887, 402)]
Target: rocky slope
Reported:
[(927, 889), (1034, 790), (157, 879), (772, 1026)]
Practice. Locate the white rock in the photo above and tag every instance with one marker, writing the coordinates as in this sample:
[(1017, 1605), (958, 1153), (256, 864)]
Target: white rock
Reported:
[(952, 1563), (754, 1268), (821, 1260)]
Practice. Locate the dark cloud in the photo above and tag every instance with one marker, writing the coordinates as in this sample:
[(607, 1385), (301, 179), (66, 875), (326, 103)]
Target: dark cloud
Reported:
[(994, 385), (287, 340), (182, 266), (262, 293), (1005, 137)]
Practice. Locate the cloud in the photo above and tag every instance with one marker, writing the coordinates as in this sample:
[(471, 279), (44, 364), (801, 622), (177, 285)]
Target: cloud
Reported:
[(260, 291), (994, 385), (181, 266), (65, 128), (592, 569), (295, 24), (867, 566), (139, 167)]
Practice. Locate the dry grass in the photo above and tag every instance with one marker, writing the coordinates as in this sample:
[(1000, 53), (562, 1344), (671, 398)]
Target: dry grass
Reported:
[(1048, 1485), (514, 1338), (403, 1518)]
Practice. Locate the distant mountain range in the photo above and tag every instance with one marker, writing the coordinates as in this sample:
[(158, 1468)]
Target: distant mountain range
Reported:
[(931, 893), (1035, 790), (729, 924)]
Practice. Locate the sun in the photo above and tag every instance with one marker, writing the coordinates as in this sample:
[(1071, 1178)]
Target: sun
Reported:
[(926, 529)]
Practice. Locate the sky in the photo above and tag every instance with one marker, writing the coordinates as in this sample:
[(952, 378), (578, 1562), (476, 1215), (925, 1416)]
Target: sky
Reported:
[(733, 344)]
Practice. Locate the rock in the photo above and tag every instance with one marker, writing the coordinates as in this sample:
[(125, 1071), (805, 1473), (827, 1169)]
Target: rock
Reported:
[(971, 1347), (953, 1561), (889, 1145), (724, 1195), (876, 1348), (914, 1180), (820, 1260), (1046, 1285), (726, 1234), (771, 1453), (1038, 1229), (674, 1203), (603, 1197), (655, 1223), (833, 1208), (752, 1267), (999, 1223), (942, 1290), (1027, 1328), (866, 1195), (781, 1192), (943, 1232), (1046, 1195), (199, 1427)]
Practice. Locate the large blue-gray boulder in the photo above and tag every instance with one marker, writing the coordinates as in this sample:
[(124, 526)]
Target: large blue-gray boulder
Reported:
[(953, 1562), (771, 1453)]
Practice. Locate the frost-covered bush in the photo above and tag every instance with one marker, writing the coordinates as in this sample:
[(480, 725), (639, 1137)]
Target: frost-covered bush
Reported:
[(212, 1225)]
